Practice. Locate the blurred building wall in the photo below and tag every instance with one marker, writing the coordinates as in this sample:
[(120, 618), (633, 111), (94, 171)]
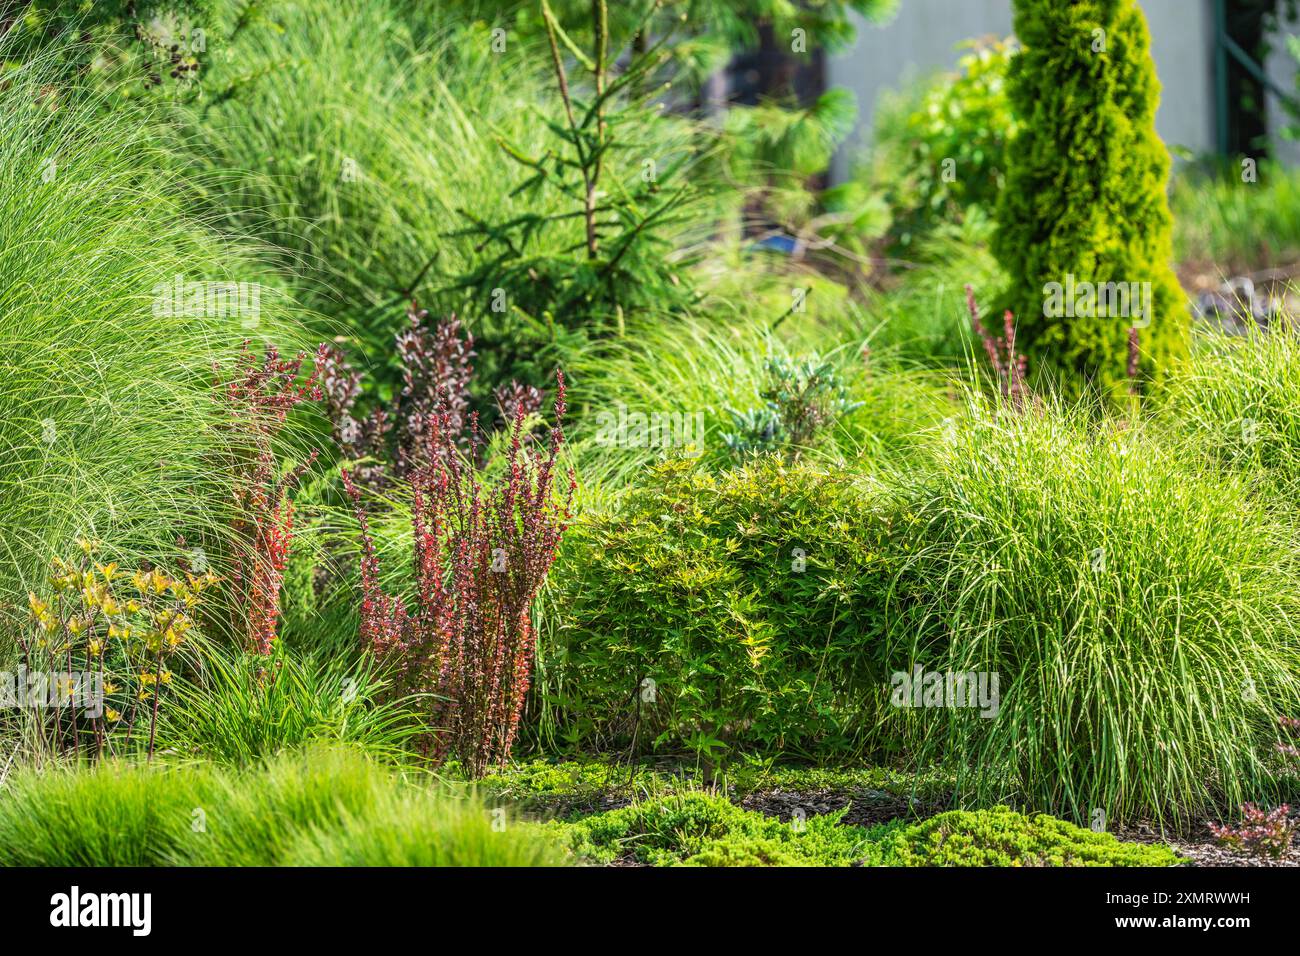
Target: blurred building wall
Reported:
[(923, 38), (1281, 69)]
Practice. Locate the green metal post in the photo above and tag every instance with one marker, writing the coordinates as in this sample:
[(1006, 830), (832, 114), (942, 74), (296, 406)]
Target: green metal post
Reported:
[(1221, 75)]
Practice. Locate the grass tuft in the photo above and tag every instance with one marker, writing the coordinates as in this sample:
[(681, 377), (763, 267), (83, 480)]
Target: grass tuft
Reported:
[(1139, 610)]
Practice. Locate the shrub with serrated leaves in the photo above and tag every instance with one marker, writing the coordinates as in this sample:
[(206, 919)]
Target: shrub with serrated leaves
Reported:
[(733, 611)]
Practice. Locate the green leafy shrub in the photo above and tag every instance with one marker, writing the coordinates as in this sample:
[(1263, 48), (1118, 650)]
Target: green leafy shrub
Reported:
[(733, 610), (1085, 197), (698, 829), (1002, 837), (135, 48), (1139, 609), (940, 151), (326, 806)]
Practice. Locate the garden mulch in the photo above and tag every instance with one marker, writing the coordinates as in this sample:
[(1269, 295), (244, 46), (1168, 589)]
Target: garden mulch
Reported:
[(1201, 849), (867, 808)]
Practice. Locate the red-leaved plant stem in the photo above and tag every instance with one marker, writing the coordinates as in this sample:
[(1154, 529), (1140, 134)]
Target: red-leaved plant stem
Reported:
[(1008, 367), (259, 396), (483, 549)]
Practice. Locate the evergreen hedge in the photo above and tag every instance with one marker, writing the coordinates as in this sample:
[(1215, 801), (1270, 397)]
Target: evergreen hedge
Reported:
[(1085, 200)]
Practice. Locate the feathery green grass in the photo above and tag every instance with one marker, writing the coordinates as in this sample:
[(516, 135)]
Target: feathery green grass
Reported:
[(361, 183), (1140, 610), (108, 420), (700, 370), (1238, 401), (325, 806)]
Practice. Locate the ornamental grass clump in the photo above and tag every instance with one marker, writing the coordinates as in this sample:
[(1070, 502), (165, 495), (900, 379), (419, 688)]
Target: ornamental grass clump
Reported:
[(1138, 609), (483, 547), (1237, 402), (325, 805), (108, 427), (238, 708)]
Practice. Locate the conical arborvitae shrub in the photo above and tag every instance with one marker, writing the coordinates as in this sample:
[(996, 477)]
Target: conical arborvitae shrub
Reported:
[(1085, 202)]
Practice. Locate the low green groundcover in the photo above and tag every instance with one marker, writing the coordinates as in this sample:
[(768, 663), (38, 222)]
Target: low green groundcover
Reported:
[(1003, 837), (703, 830)]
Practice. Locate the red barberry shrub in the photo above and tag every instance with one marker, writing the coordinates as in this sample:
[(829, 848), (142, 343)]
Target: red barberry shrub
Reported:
[(512, 398), (364, 439), (436, 373), (1262, 832), (483, 547), (259, 394)]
